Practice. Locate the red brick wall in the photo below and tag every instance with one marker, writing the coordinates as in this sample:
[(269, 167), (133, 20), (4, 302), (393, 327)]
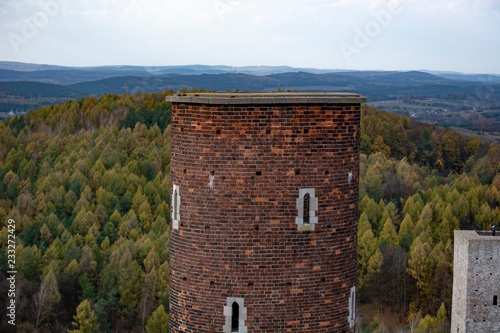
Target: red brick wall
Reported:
[(238, 238)]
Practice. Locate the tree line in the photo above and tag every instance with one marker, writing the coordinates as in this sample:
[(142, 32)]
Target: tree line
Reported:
[(87, 183)]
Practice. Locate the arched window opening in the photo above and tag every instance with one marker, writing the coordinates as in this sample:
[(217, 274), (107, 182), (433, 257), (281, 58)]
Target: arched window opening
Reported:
[(352, 307), (235, 320), (235, 314), (307, 199), (175, 204), (307, 205), (353, 300)]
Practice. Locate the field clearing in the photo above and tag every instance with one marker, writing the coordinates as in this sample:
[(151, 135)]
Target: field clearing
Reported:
[(487, 136), (468, 118)]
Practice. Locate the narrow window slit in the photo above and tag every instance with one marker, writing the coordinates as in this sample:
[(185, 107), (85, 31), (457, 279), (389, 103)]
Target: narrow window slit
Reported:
[(495, 300), (235, 314), (307, 199), (235, 320), (307, 204), (175, 204)]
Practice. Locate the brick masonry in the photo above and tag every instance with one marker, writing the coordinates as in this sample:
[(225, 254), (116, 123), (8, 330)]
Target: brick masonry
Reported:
[(476, 280), (239, 168)]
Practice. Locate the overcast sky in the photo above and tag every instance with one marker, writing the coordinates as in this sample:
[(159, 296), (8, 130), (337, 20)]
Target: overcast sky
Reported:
[(462, 35)]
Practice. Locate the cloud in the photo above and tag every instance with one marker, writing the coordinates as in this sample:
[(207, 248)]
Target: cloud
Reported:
[(456, 6), (304, 33), (98, 14)]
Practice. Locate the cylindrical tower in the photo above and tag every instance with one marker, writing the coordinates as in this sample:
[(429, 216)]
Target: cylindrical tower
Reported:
[(264, 212)]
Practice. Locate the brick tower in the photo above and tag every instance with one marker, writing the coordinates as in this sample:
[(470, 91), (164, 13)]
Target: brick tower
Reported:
[(264, 212)]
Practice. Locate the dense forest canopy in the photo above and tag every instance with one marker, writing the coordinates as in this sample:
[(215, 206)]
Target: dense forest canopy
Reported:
[(87, 182)]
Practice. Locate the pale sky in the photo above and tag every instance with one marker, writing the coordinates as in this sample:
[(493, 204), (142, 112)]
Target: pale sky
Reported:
[(462, 35)]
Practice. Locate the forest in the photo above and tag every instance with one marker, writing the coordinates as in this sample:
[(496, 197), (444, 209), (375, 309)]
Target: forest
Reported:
[(86, 182)]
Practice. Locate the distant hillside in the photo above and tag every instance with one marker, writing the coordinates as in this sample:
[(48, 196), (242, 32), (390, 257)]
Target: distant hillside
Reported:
[(22, 96), (16, 71), (487, 78), (71, 75), (375, 87), (219, 82), (66, 82), (36, 89), (64, 76)]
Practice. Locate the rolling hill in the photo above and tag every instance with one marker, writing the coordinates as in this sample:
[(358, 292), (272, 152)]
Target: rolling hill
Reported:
[(50, 84)]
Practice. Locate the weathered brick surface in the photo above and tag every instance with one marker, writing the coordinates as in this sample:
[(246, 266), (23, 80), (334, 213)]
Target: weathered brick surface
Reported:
[(240, 168)]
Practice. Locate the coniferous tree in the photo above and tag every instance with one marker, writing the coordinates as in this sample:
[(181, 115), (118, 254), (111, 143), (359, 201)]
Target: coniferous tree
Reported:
[(158, 323), (85, 320)]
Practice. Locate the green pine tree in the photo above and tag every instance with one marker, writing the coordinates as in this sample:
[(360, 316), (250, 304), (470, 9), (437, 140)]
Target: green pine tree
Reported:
[(158, 322)]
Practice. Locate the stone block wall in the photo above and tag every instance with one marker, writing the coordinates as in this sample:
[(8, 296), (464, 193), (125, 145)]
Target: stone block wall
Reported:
[(476, 283)]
